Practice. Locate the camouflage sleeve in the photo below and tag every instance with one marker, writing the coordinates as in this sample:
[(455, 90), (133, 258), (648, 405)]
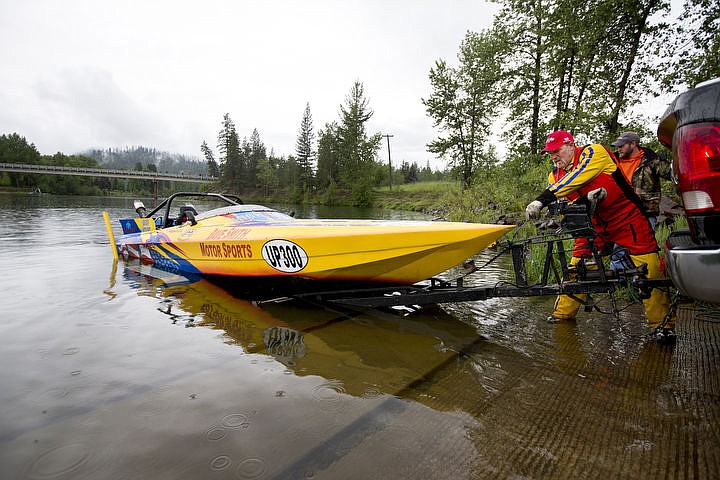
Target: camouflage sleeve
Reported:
[(662, 167)]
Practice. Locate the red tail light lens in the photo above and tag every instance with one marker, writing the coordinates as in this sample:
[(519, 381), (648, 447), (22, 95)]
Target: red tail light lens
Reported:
[(697, 161)]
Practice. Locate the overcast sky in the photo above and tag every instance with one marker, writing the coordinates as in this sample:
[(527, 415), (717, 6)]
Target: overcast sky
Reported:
[(76, 75)]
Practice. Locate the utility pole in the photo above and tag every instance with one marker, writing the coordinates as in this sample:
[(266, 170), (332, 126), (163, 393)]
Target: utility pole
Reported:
[(389, 162)]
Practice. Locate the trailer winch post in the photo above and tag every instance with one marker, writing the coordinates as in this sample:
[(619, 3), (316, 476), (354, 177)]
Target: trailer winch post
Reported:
[(518, 259), (561, 258), (546, 265)]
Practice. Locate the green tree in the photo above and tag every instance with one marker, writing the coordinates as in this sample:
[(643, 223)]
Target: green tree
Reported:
[(16, 149), (213, 169), (426, 173), (520, 29), (577, 65), (409, 172), (288, 173), (245, 152), (692, 46), (630, 30), (229, 148), (267, 176), (304, 149), (68, 184), (255, 153), (357, 150), (464, 103), (328, 158)]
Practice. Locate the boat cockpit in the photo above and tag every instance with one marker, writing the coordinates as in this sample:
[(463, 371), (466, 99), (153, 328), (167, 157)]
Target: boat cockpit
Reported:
[(177, 209), (168, 214)]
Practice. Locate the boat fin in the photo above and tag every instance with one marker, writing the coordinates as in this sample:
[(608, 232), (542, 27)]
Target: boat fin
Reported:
[(111, 235)]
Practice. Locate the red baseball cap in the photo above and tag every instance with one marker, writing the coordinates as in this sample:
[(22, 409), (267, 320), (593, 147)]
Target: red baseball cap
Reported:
[(557, 139)]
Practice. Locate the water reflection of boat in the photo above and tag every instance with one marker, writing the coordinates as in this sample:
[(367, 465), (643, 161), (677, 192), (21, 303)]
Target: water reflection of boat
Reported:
[(365, 353), (238, 240)]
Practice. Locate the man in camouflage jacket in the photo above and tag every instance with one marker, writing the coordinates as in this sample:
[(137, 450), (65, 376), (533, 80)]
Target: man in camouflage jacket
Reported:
[(643, 169)]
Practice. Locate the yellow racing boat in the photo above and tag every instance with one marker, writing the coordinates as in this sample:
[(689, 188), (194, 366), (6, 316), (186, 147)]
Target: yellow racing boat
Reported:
[(239, 240)]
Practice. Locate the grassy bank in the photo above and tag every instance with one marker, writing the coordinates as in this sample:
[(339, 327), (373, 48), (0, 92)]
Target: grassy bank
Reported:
[(498, 195), (418, 197)]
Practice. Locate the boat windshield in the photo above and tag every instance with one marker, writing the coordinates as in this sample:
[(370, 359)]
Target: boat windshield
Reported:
[(248, 214)]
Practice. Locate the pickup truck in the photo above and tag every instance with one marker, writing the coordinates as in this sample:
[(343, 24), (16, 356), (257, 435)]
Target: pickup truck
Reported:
[(690, 127)]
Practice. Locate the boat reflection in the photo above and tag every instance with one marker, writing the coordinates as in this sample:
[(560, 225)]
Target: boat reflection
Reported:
[(429, 356)]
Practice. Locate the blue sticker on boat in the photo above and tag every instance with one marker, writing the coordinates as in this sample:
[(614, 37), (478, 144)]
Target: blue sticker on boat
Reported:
[(284, 256)]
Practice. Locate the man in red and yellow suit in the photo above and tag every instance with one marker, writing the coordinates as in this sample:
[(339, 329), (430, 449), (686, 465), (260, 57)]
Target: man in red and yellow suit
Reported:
[(591, 172)]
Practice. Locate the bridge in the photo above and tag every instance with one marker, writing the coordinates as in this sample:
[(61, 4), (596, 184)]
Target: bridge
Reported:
[(102, 172)]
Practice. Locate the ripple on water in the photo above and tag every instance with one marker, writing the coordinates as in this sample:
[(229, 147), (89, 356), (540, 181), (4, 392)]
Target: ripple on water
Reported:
[(235, 420), (230, 421), (330, 394), (221, 462), (329, 391), (251, 468), (58, 461), (60, 396), (215, 434)]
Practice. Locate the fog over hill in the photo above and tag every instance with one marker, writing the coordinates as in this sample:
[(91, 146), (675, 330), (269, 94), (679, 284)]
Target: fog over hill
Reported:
[(134, 158)]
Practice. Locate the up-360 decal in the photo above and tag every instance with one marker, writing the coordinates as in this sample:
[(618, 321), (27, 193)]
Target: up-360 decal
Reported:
[(284, 255)]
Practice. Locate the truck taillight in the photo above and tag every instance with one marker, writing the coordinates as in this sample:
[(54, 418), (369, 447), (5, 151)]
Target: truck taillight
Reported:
[(697, 158)]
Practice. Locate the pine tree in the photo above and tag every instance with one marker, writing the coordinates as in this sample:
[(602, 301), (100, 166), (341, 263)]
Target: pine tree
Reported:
[(213, 170), (229, 148), (328, 158), (256, 154), (304, 149), (357, 151)]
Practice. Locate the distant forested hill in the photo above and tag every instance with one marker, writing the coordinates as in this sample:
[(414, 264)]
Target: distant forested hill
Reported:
[(139, 158)]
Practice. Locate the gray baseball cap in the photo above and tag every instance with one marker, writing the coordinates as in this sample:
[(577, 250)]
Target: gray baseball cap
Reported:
[(626, 137)]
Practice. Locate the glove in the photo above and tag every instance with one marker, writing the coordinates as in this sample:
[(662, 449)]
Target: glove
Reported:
[(594, 197), (597, 195), (532, 211)]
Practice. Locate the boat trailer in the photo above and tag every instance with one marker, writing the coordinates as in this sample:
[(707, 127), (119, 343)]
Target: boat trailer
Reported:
[(588, 276)]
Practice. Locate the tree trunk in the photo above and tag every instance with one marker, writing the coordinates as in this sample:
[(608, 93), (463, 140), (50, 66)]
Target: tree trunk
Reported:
[(612, 123)]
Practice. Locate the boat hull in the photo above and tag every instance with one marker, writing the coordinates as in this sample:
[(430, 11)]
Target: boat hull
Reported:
[(349, 250)]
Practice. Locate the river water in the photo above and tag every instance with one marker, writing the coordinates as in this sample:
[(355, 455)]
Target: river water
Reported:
[(110, 373)]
